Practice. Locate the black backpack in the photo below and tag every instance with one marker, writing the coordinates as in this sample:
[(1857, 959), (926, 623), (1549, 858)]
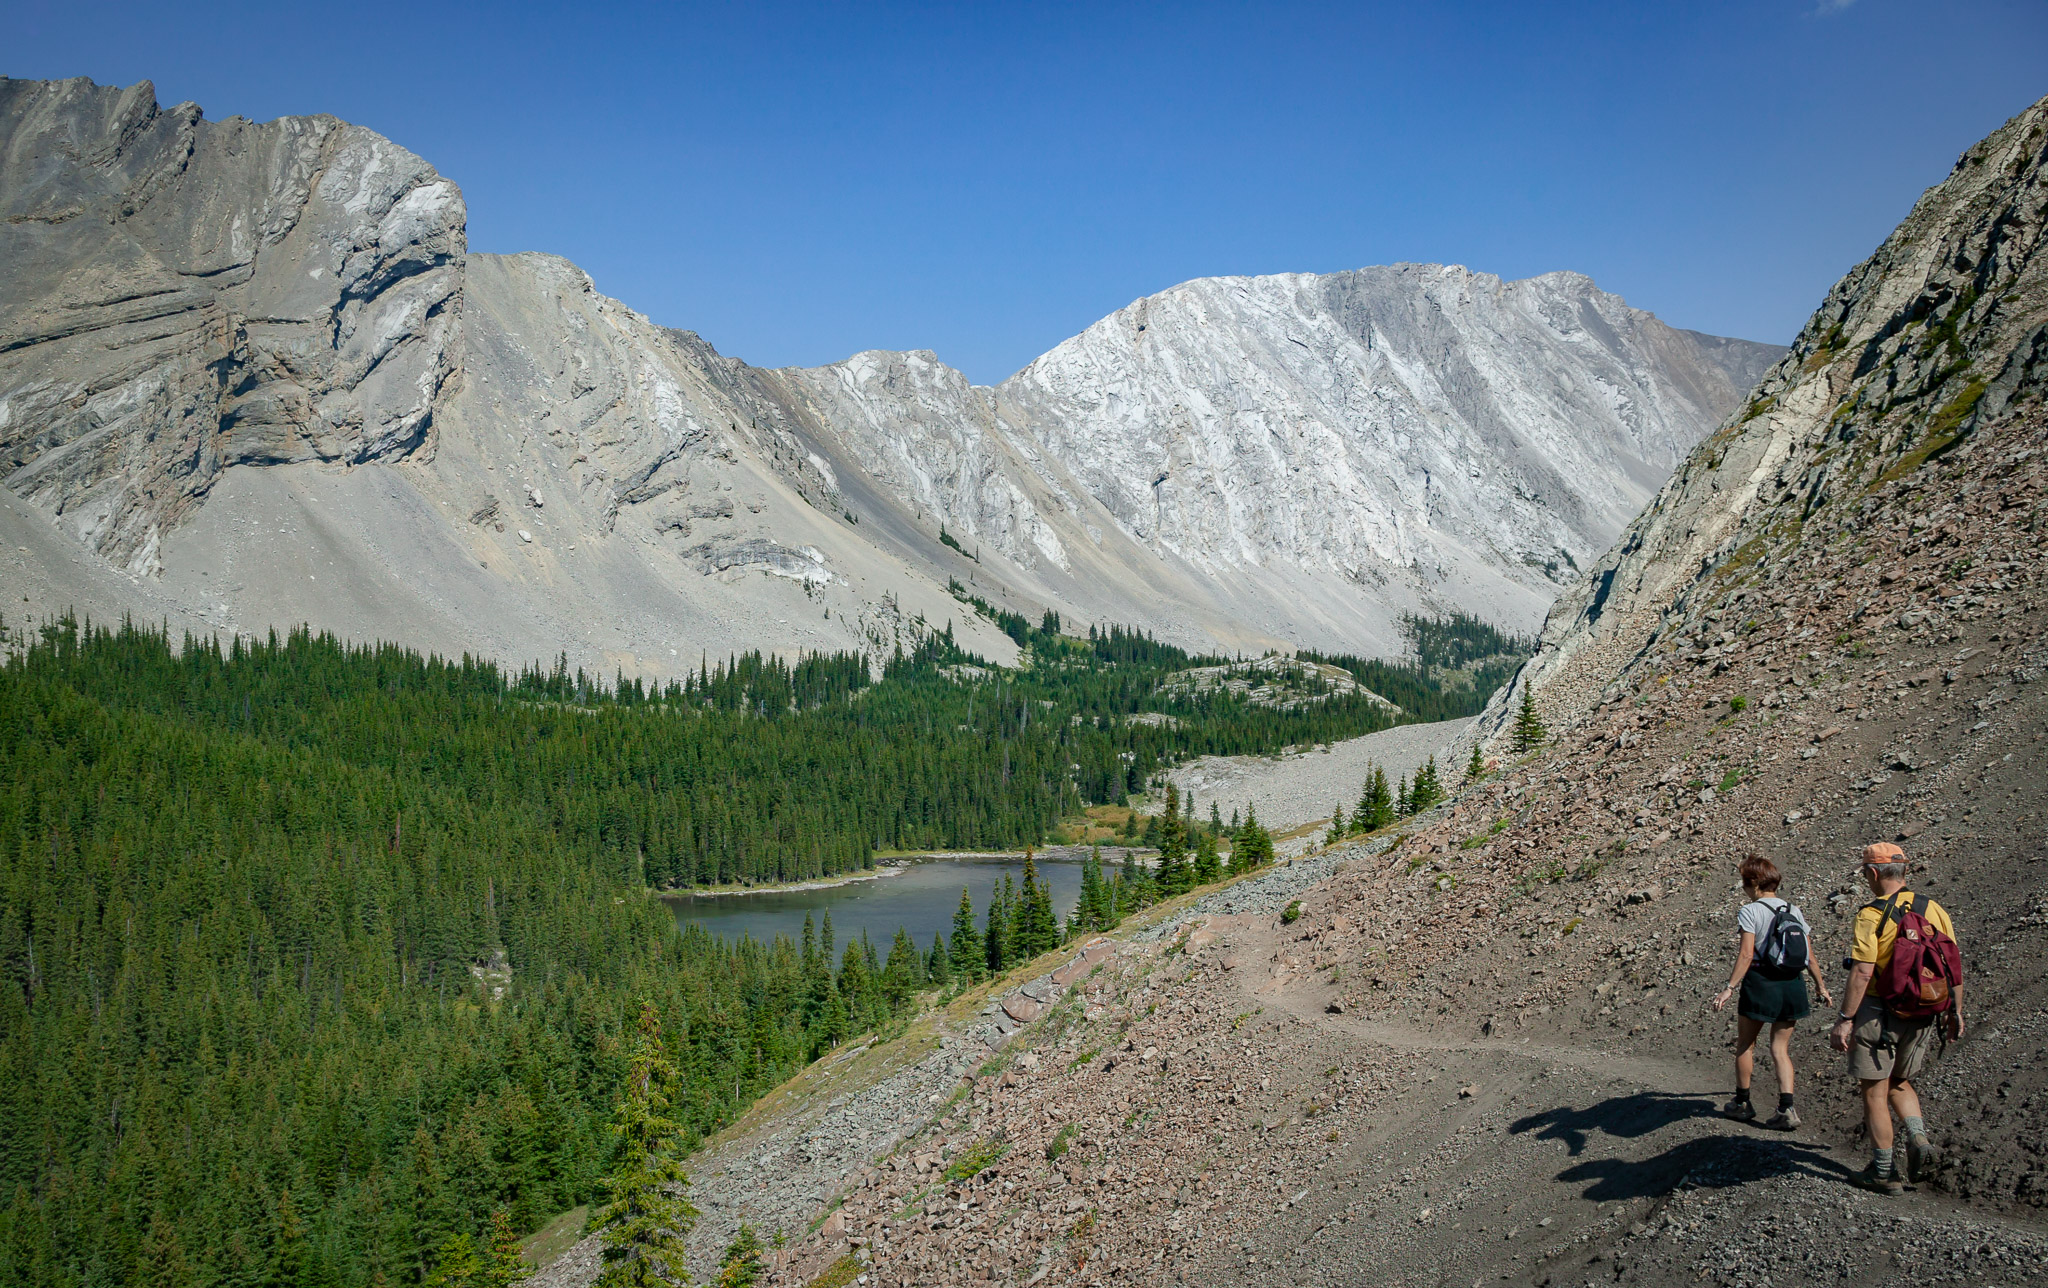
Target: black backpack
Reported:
[(1783, 947)]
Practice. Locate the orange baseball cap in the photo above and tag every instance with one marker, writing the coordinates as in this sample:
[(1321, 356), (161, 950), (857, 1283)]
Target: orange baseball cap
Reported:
[(1882, 853)]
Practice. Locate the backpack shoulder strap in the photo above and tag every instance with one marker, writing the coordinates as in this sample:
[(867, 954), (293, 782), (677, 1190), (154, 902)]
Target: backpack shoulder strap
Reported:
[(1920, 905), (1887, 909)]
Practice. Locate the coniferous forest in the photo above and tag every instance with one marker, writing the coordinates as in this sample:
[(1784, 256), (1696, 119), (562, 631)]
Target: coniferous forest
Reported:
[(318, 957)]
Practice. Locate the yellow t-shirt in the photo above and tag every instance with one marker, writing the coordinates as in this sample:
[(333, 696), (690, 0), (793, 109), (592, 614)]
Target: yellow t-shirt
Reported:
[(1876, 933)]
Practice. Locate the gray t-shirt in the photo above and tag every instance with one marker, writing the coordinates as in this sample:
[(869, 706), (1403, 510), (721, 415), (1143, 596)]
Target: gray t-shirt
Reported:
[(1756, 918)]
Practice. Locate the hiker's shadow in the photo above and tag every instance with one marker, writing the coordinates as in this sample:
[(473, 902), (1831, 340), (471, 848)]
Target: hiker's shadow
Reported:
[(1735, 1157), (1625, 1116), (1712, 1163)]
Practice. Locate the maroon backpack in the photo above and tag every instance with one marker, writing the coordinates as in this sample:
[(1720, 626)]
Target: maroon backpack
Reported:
[(1926, 965)]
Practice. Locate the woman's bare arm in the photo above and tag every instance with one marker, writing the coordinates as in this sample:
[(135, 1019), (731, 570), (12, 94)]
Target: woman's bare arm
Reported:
[(1745, 951)]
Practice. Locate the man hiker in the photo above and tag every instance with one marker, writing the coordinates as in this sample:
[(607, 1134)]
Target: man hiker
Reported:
[(1905, 988), (1772, 957)]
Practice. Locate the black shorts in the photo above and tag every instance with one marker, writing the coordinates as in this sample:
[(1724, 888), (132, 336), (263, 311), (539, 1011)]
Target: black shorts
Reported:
[(1774, 1001)]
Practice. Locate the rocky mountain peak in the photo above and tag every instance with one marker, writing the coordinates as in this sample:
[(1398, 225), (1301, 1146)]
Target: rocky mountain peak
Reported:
[(180, 296)]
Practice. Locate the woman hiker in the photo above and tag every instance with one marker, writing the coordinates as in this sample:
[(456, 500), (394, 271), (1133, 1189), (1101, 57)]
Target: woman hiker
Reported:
[(1771, 955)]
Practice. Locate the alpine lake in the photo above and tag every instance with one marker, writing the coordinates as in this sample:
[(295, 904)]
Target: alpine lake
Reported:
[(918, 893)]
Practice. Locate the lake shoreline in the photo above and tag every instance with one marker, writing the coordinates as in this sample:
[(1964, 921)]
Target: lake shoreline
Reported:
[(897, 864), (791, 887)]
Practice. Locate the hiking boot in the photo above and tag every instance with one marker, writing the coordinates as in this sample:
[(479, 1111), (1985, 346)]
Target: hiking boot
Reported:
[(1784, 1120), (1870, 1179), (1740, 1110), (1922, 1157)]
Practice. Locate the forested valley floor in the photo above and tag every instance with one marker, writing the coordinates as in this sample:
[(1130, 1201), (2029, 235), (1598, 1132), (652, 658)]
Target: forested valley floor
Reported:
[(319, 956)]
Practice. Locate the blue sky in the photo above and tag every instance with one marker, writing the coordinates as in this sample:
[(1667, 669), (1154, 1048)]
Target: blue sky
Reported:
[(801, 182)]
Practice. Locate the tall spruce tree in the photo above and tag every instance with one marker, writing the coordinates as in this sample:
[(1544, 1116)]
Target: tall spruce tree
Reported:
[(1254, 847), (1529, 732), (503, 1266), (1033, 929), (1428, 788), (938, 964), (1475, 766), (1174, 877), (645, 1219), (970, 955), (1401, 809), (1336, 830), (996, 939), (904, 973), (1208, 864)]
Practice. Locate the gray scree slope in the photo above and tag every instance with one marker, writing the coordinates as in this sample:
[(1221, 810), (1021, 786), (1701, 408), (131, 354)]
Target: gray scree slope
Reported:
[(481, 453)]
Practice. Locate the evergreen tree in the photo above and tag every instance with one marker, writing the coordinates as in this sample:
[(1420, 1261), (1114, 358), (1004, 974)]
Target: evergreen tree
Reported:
[(1380, 800), (856, 988), (1529, 732), (289, 1255), (1215, 820), (502, 1264), (904, 974), (938, 964), (1208, 863), (1428, 789), (1173, 875), (996, 939), (1091, 910), (1401, 809), (1254, 848), (740, 1265), (1033, 929), (1336, 832), (645, 1220), (456, 1265), (1475, 766), (970, 955)]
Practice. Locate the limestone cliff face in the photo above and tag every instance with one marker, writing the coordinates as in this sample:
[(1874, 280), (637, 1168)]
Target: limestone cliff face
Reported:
[(1413, 418), (1236, 462), (1942, 330), (178, 296)]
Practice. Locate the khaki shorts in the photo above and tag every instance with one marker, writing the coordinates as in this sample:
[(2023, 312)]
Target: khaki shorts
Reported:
[(1888, 1048)]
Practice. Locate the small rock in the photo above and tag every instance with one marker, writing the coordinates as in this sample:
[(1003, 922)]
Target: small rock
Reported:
[(524, 535)]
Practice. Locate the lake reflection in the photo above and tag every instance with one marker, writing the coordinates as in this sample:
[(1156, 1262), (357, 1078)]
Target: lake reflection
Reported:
[(920, 898)]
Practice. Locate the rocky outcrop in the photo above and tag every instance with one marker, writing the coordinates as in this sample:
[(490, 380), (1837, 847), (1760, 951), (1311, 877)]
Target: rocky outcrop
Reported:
[(1942, 330), (178, 296)]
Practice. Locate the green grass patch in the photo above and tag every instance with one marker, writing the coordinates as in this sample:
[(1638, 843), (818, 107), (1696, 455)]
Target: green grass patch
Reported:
[(1291, 914), (1058, 1148), (839, 1274), (1083, 1058), (976, 1159)]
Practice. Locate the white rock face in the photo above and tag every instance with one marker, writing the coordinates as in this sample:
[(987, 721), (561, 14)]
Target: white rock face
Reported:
[(1237, 462), (1405, 418)]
